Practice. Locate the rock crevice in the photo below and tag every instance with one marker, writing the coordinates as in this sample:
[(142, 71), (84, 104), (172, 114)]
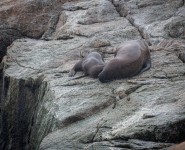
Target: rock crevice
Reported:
[(19, 109)]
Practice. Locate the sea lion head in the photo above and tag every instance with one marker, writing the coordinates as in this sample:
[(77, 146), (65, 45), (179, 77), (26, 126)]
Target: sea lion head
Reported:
[(103, 78), (110, 71), (106, 76)]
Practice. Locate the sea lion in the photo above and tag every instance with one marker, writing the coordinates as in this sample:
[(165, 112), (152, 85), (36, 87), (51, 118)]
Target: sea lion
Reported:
[(131, 58), (92, 65), (180, 146)]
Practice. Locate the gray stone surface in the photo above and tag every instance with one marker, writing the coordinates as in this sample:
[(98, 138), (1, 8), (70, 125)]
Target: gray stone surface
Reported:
[(143, 112)]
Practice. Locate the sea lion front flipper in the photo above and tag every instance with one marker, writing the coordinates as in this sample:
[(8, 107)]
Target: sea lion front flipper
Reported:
[(73, 78), (77, 67)]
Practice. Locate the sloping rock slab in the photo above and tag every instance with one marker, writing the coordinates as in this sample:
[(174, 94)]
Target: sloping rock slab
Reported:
[(143, 112), (147, 107)]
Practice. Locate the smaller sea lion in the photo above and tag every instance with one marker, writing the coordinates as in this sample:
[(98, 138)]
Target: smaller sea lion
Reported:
[(180, 146), (92, 65), (131, 58)]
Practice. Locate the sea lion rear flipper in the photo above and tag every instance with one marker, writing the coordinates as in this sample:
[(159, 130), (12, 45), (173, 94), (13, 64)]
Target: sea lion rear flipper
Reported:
[(146, 66)]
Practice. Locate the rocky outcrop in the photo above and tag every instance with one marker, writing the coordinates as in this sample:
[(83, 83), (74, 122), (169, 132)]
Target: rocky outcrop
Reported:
[(42, 108), (33, 19)]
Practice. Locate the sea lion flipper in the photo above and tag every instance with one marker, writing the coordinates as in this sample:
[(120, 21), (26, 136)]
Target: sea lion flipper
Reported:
[(74, 78), (77, 67), (146, 66)]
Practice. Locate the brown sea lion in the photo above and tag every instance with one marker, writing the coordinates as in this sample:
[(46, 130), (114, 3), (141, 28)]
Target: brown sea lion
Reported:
[(131, 58), (180, 146), (92, 65)]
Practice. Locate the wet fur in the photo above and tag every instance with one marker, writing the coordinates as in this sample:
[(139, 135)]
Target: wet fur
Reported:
[(131, 58), (92, 65)]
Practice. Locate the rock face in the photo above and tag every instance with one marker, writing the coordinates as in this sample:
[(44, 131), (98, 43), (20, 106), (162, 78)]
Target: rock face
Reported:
[(42, 108)]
